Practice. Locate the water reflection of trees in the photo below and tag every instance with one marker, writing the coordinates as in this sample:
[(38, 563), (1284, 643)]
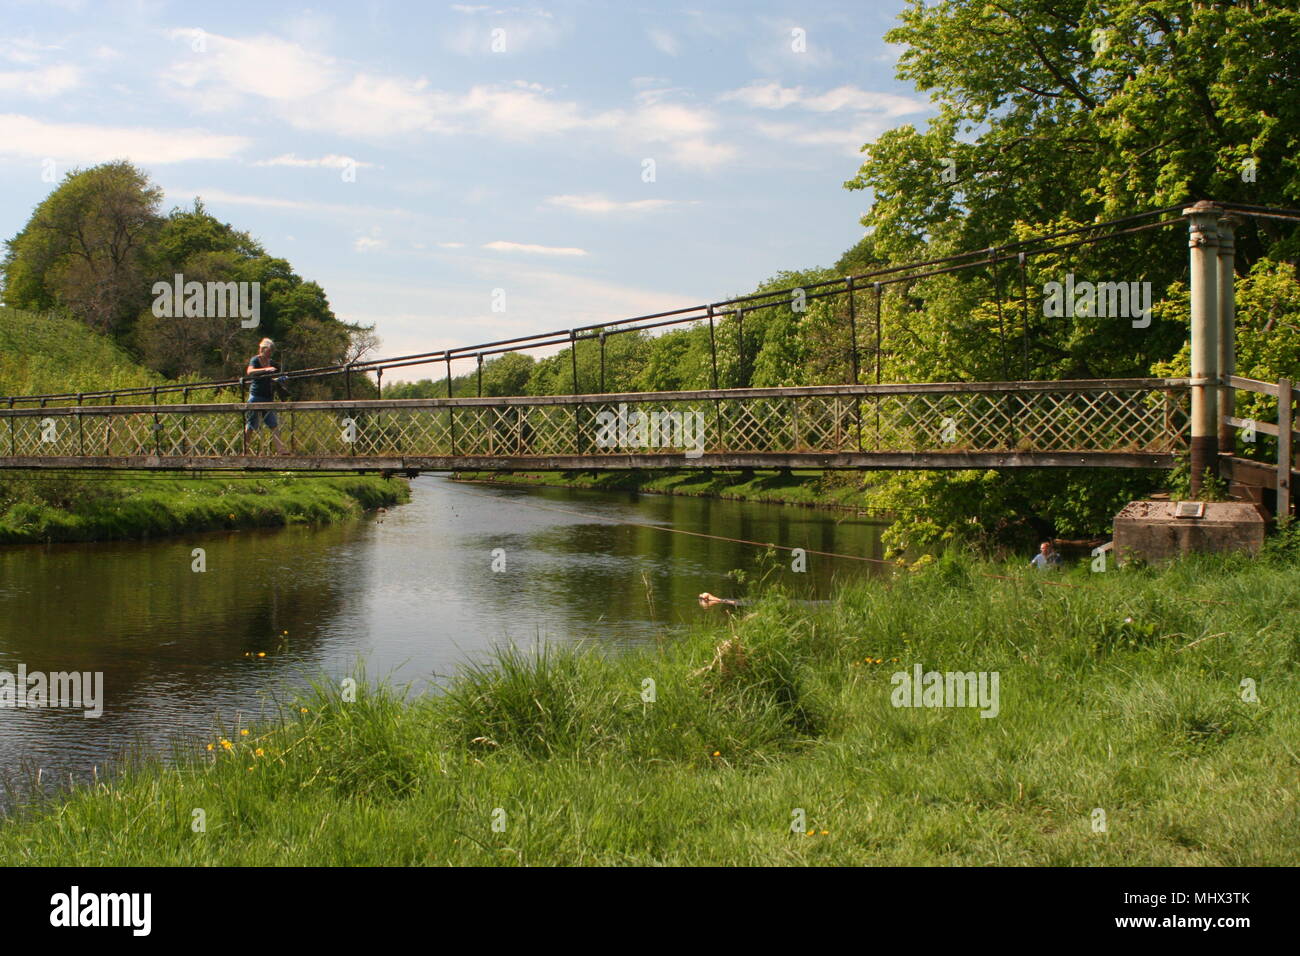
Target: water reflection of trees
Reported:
[(598, 569), (138, 612)]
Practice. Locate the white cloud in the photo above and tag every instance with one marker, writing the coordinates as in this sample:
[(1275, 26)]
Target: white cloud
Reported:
[(664, 42), (864, 101), (682, 129), (657, 95), (88, 143), (240, 199), (229, 69), (276, 202), (848, 138), (368, 243), (778, 49), (702, 154), (41, 84), (868, 113), (331, 161), (500, 32), (311, 92), (597, 204), (774, 96), (769, 96), (451, 245), (524, 113), (502, 246), (23, 49), (668, 121)]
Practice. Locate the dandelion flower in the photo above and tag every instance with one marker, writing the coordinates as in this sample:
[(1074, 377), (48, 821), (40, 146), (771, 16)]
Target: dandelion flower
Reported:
[(810, 833), (302, 710), (261, 653), (717, 753), (243, 733), (227, 745), (209, 746), (259, 752), (826, 833)]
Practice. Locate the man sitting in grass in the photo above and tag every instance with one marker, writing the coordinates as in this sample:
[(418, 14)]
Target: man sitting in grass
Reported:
[(1046, 557)]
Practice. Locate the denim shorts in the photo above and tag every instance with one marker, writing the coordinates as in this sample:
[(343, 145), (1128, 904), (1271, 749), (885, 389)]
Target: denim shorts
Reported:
[(252, 419)]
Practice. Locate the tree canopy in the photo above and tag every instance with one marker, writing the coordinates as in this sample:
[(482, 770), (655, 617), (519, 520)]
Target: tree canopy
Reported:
[(95, 247)]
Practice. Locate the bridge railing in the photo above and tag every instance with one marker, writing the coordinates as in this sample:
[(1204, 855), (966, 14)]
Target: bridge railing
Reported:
[(1139, 416), (1258, 454)]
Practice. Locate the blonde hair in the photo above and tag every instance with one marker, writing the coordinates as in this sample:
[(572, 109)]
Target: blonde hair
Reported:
[(266, 342)]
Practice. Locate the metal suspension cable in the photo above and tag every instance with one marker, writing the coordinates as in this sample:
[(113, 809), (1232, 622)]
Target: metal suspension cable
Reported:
[(1246, 207), (697, 313)]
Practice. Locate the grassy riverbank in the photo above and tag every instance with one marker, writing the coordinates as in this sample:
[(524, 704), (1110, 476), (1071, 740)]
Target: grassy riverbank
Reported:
[(1121, 693), (36, 509), (825, 489)]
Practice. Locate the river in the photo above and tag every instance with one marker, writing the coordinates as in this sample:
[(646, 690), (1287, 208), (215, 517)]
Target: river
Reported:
[(411, 595)]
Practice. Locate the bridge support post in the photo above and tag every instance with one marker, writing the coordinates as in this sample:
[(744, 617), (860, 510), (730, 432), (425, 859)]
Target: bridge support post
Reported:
[(1284, 463), (1227, 332), (1203, 241)]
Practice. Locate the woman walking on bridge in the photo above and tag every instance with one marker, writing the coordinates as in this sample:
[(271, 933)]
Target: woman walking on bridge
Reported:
[(261, 388)]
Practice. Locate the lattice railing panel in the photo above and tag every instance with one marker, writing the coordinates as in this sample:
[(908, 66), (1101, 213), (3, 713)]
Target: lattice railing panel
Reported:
[(1120, 419)]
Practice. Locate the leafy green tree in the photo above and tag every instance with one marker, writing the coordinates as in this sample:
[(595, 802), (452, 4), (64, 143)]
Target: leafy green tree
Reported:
[(85, 248), (1051, 114), (507, 375)]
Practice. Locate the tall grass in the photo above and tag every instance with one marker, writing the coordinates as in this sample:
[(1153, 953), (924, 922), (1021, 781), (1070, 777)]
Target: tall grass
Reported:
[(43, 354), (1121, 692)]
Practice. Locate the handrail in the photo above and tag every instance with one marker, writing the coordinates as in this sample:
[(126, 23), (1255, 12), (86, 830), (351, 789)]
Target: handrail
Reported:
[(1253, 385), (613, 398)]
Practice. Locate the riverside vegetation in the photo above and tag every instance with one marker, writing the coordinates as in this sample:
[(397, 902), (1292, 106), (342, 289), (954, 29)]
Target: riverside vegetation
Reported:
[(49, 353), (826, 489), (1120, 692)]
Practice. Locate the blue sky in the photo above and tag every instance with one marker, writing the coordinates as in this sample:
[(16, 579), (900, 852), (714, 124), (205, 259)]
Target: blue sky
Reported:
[(413, 158)]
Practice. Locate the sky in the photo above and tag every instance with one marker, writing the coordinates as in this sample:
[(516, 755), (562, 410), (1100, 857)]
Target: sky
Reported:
[(458, 173)]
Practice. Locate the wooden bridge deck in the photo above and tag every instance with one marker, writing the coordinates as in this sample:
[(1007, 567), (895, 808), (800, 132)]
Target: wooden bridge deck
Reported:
[(1114, 423)]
